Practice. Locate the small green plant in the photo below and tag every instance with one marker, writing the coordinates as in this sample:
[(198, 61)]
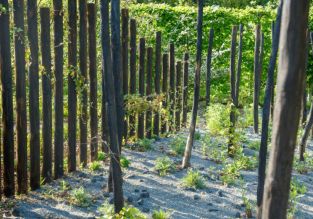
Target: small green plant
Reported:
[(163, 165), (160, 214), (212, 150), (230, 174), (128, 212), (124, 162), (217, 119), (81, 198), (95, 166), (254, 145), (177, 146), (65, 186), (197, 135), (102, 156), (193, 179), (297, 190), (245, 163), (144, 144), (246, 201)]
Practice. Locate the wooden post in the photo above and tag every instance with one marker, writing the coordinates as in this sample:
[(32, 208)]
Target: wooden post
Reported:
[(7, 102), (46, 95), (58, 60), (93, 80), (72, 78), (256, 78), (189, 145), (142, 49), (172, 88), (132, 60), (185, 89), (112, 113), (267, 110), (83, 71), (148, 91), (157, 76), (34, 114), (208, 64), (178, 95), (133, 51), (290, 83), (125, 27), (164, 91), (21, 120)]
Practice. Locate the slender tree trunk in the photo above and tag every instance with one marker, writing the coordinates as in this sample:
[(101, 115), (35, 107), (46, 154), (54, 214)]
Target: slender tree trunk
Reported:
[(267, 111), (34, 113), (157, 76), (256, 78), (189, 145), (306, 133), (148, 91), (172, 88), (142, 51), (46, 95), (178, 95), (238, 75), (287, 107), (185, 89), (165, 91), (208, 64), (112, 113)]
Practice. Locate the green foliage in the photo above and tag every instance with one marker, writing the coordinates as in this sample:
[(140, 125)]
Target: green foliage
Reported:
[(217, 119), (124, 162), (163, 165), (143, 144), (160, 214), (212, 149), (138, 104), (297, 190), (230, 174), (128, 212), (102, 156), (177, 145), (197, 135), (193, 179), (80, 197), (65, 186), (95, 166)]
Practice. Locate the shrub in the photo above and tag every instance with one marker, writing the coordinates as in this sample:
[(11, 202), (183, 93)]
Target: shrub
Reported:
[(124, 162), (160, 214), (177, 145), (95, 166), (144, 144), (163, 165), (193, 179), (128, 212), (296, 191), (217, 119), (80, 197), (102, 156)]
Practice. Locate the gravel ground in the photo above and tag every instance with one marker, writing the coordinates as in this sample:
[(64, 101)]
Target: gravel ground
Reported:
[(145, 189)]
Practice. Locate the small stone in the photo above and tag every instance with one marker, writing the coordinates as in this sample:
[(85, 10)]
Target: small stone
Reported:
[(220, 193), (130, 199), (213, 210), (145, 210), (106, 194), (210, 204), (191, 189), (140, 202), (111, 200), (16, 212), (93, 180), (238, 215), (201, 168), (196, 197), (82, 175), (144, 194), (136, 190), (141, 180)]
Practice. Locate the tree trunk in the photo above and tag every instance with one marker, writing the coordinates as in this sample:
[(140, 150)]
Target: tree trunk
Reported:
[(141, 116), (238, 74), (189, 145), (157, 76), (172, 88), (287, 107), (208, 64), (267, 111), (306, 133), (148, 91), (256, 79), (178, 95), (165, 91), (185, 89)]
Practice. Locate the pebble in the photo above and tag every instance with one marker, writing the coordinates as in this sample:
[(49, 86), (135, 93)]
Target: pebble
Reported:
[(146, 210), (141, 180), (210, 204), (220, 193), (191, 189), (136, 190), (93, 180), (213, 210), (16, 212), (201, 168), (140, 202), (144, 194), (196, 197), (238, 215), (130, 199), (106, 194)]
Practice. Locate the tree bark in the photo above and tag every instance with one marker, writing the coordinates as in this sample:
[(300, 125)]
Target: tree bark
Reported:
[(165, 91), (189, 145), (178, 95), (306, 133), (185, 89), (148, 91), (256, 78), (287, 107), (172, 88), (142, 51), (208, 64), (238, 74)]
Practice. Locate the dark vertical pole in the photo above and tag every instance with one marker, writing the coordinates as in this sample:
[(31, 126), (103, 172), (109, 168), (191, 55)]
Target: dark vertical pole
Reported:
[(125, 28), (267, 110), (189, 144), (21, 120), (34, 95), (208, 64), (148, 91), (238, 75), (256, 78), (83, 71), (93, 80), (142, 50), (273, 91), (1, 171), (178, 95), (72, 77), (116, 65), (157, 76), (112, 113), (58, 62), (132, 60), (164, 91), (46, 95), (7, 102), (172, 87), (185, 89)]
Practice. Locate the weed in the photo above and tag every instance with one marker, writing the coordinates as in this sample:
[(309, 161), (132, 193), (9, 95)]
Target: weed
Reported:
[(102, 156), (217, 119), (177, 146), (81, 198), (65, 186), (212, 150), (254, 145), (229, 174), (163, 165), (197, 135), (124, 162), (95, 166), (193, 179), (297, 190), (127, 212), (160, 214), (144, 144)]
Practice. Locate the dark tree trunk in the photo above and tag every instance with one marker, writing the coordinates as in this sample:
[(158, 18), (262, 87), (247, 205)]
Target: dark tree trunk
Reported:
[(34, 114), (185, 89), (306, 133), (238, 74), (256, 78), (21, 120), (132, 60), (93, 80), (172, 88), (267, 111), (157, 76), (112, 113), (148, 91), (58, 60), (83, 71), (164, 91), (141, 116), (7, 102), (72, 77), (287, 107), (178, 95), (46, 95), (208, 64), (189, 145)]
